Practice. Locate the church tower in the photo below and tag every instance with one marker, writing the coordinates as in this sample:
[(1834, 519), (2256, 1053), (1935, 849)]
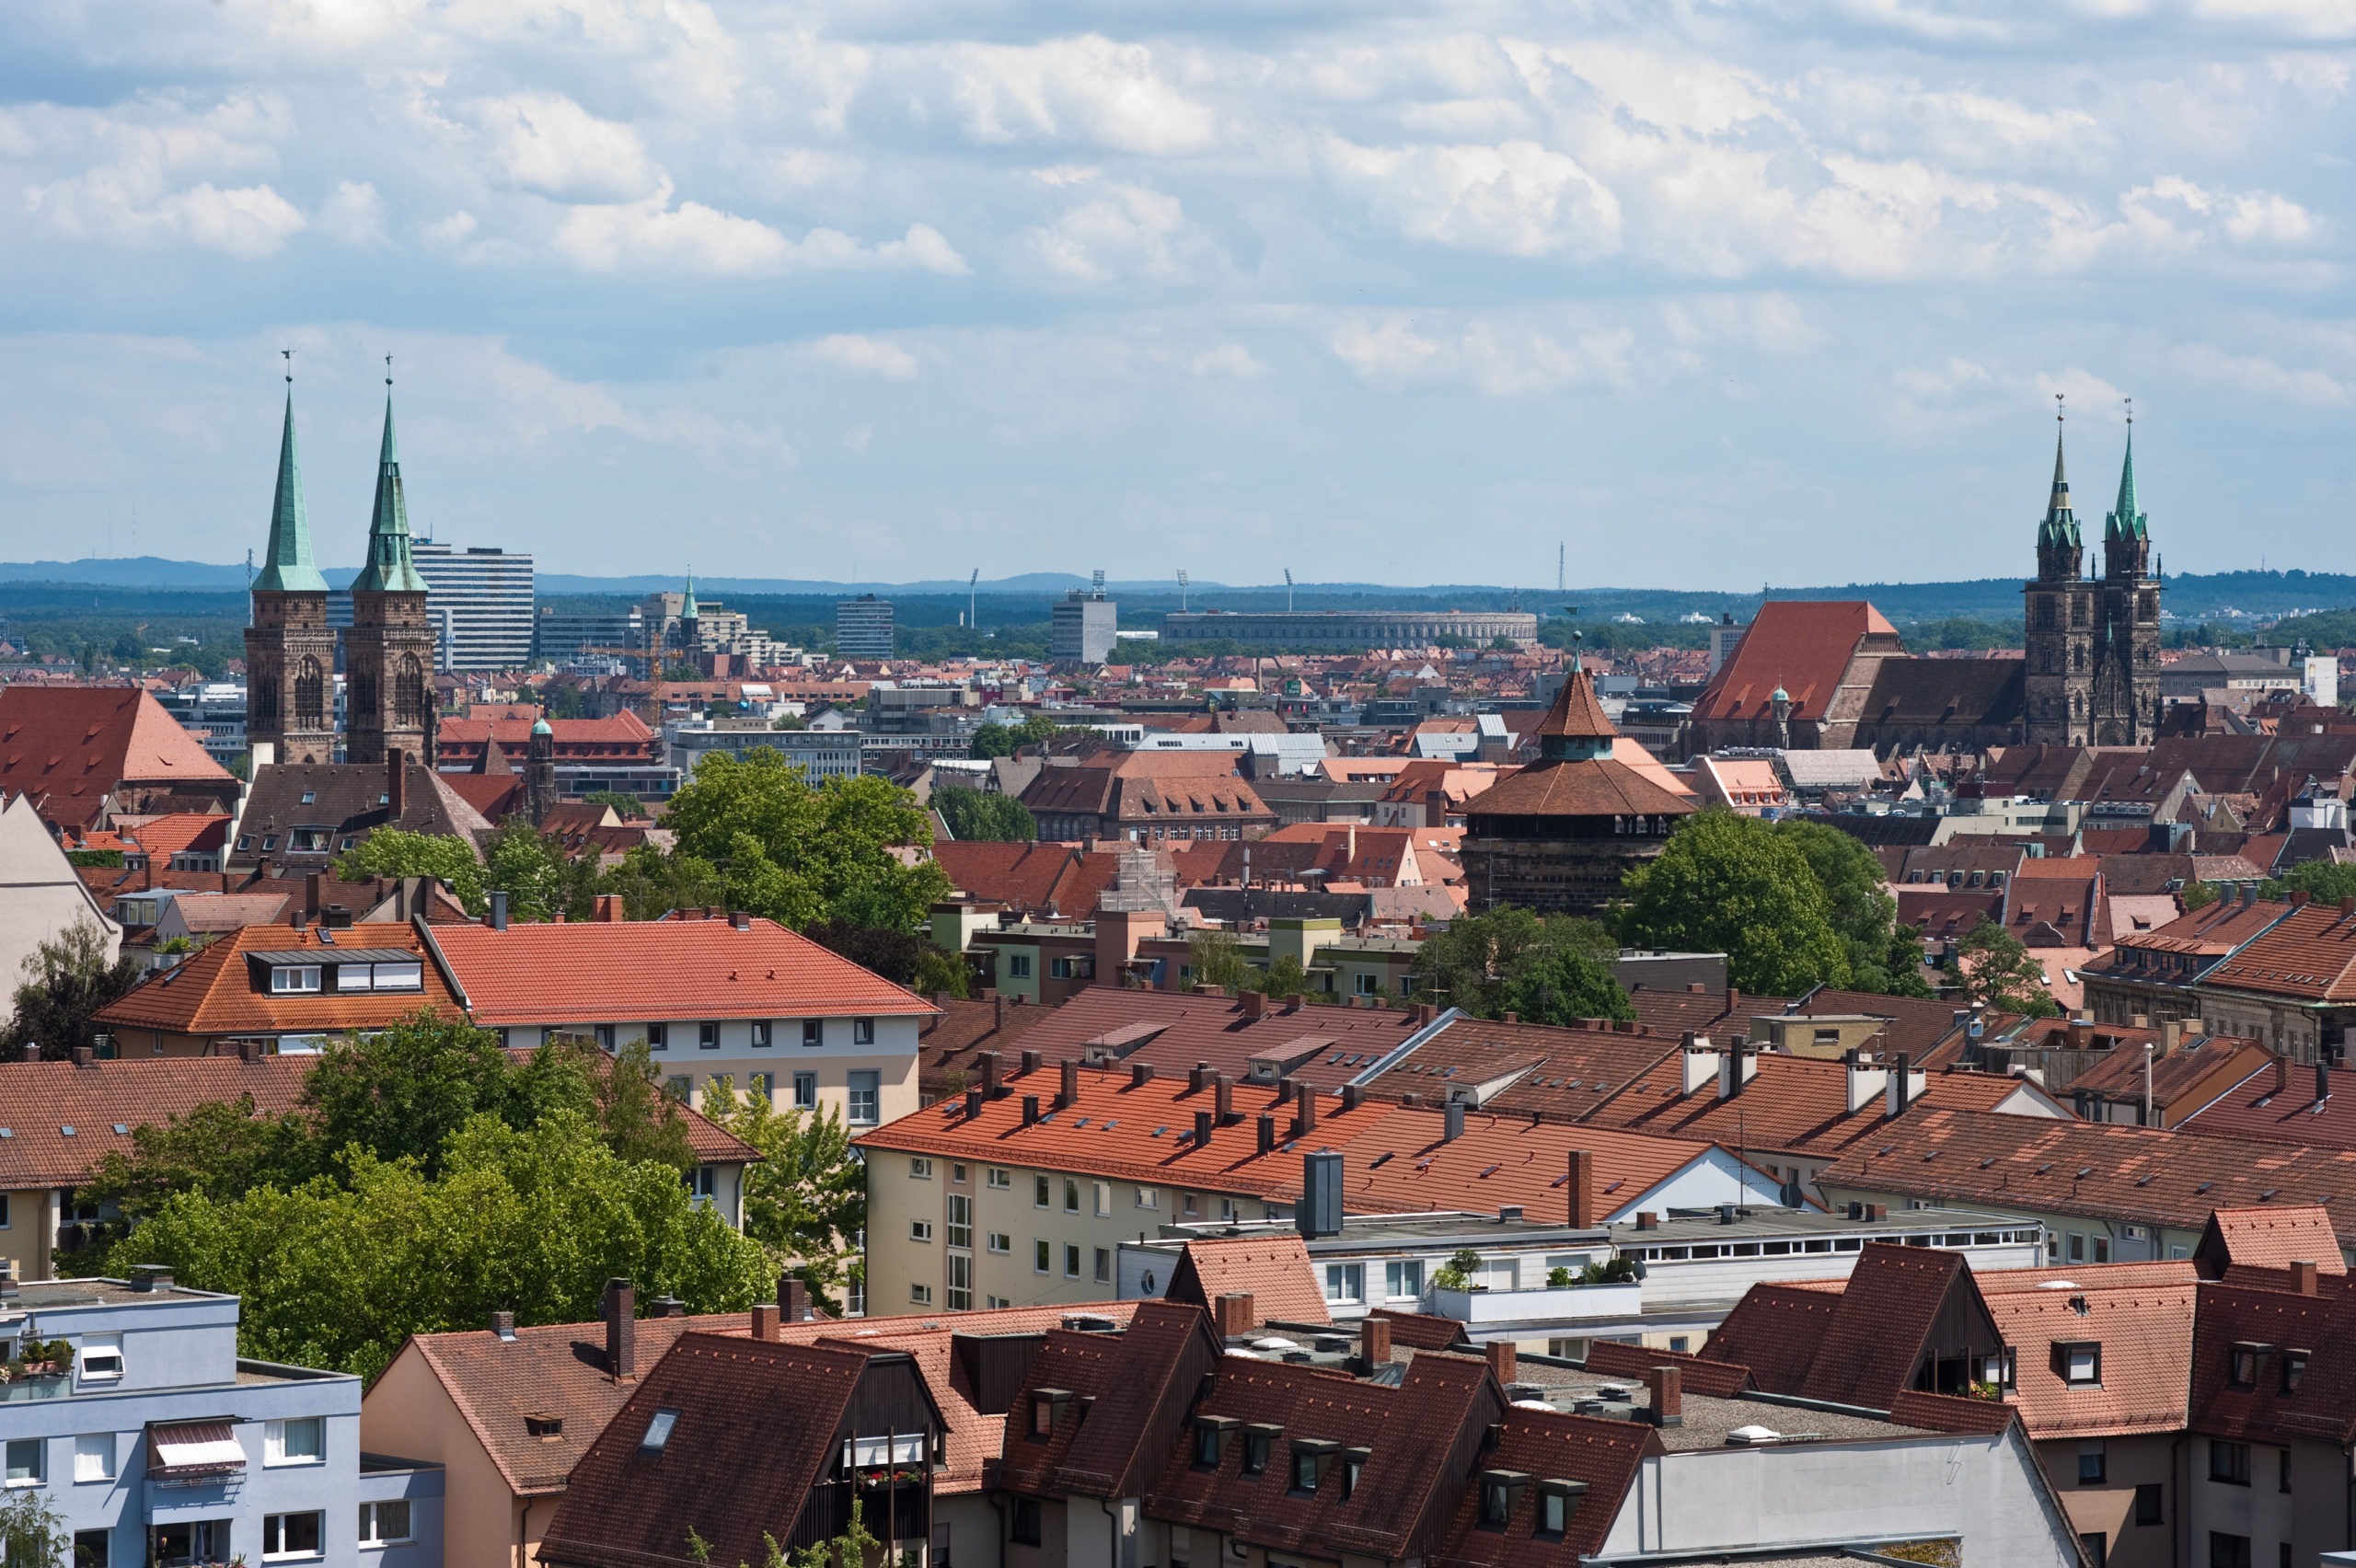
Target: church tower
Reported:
[(2060, 609), (388, 652), (2126, 697), (290, 653)]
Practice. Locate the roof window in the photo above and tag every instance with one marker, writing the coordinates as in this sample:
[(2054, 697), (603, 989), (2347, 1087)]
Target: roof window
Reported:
[(2078, 1363), (658, 1432)]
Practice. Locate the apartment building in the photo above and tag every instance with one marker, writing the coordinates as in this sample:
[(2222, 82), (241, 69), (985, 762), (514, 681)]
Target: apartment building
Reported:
[(1023, 1189), (157, 1443), (863, 628), (481, 598)]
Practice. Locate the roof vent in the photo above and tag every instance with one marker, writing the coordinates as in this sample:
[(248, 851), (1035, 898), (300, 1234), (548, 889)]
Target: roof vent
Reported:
[(1753, 1436)]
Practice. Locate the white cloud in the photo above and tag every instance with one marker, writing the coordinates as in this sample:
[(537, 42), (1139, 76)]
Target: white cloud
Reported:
[(1076, 89), (354, 214), (1498, 356), (867, 356), (1127, 232), (1227, 358), (1518, 199), (140, 175), (547, 143), (693, 238)]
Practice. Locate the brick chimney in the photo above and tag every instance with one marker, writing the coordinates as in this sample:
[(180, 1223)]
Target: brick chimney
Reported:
[(1504, 1360), (1204, 1122), (1304, 1120), (1223, 1098), (2303, 1278), (1255, 1003), (1267, 1141), (1031, 1061), (764, 1319), (621, 1330), (1030, 1109), (1586, 1203), (1374, 1340), (1140, 1074), (609, 909), (1667, 1385), (988, 1061), (1068, 1087), (1235, 1315), (793, 1300)]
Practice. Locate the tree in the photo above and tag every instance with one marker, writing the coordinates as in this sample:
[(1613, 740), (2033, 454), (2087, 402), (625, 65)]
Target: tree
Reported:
[(103, 860), (540, 880), (2197, 896), (1217, 959), (1458, 1273), (2325, 882), (1883, 957), (1544, 969), (1993, 969), (790, 722), (991, 739), (67, 979), (338, 1271), (401, 1092), (936, 972), (652, 882), (217, 1149), (801, 855), (1284, 977), (627, 806), (1733, 884), (975, 814), (394, 852), (33, 1534), (895, 955), (806, 1199)]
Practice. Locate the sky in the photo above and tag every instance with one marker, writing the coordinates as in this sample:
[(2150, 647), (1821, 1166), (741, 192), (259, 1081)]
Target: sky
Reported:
[(1702, 294)]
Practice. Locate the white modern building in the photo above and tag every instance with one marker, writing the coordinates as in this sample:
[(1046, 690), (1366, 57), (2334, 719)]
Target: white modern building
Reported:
[(863, 628), (486, 593)]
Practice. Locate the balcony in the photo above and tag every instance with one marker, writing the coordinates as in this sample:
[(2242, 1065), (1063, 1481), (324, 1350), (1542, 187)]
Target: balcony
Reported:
[(1560, 1304), (24, 1391)]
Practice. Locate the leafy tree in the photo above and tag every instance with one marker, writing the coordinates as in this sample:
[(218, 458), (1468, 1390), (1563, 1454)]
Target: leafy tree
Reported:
[(627, 806), (652, 882), (217, 1149), (338, 1271), (802, 855), (1544, 969), (976, 814), (32, 1533), (67, 979), (991, 739), (1458, 1272), (641, 1123), (1284, 977), (937, 971), (1735, 884), (2325, 882), (806, 1200), (532, 869), (1991, 967), (393, 852), (401, 1092), (1217, 959), (107, 860), (895, 955), (2197, 896), (790, 722), (1883, 957)]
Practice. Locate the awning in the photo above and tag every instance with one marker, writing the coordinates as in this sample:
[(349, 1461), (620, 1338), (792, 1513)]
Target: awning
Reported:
[(193, 1449)]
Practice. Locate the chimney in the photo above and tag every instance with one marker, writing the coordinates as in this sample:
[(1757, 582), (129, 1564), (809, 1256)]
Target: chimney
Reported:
[(793, 1300), (1267, 1136), (2322, 1075), (2281, 1073), (314, 893), (1304, 1120), (1353, 1096), (1235, 1315), (1203, 1123), (1031, 1061), (1068, 1091), (1668, 1387), (1502, 1359), (1647, 1219), (1196, 1076), (1374, 1341), (764, 1319), (498, 909), (998, 1011), (1030, 1109), (972, 1102), (87, 1056), (991, 1087), (609, 909), (1255, 1003), (1900, 1084), (32, 1050), (1701, 1062), (1223, 1097), (666, 1307), (396, 785), (1586, 1203), (1735, 1069), (2171, 1035), (1285, 1086), (1140, 1074), (2303, 1277), (1451, 1121), (1867, 1079), (740, 921), (147, 1278), (621, 1330), (503, 1325)]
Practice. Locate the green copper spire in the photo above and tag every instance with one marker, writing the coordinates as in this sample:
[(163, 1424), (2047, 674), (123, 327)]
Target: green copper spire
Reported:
[(2126, 522), (688, 610), (389, 567), (287, 568), (2060, 525)]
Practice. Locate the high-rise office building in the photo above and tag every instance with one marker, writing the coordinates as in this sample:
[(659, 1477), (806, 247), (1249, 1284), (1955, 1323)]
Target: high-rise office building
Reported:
[(487, 593), (1083, 627), (863, 628)]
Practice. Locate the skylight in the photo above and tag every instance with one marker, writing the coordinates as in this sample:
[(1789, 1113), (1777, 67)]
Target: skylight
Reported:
[(658, 1431)]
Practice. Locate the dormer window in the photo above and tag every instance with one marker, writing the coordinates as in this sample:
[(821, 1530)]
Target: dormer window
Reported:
[(294, 980), (1311, 1458), (1558, 1503), (1212, 1433), (1047, 1410), (1259, 1439), (2078, 1363), (2294, 1367), (1498, 1491), (2245, 1364)]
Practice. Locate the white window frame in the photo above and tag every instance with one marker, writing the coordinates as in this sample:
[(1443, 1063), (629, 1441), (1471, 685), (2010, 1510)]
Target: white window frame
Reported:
[(811, 1080), (760, 1033), (1346, 1283), (1149, 1198), (38, 1475), (920, 1230), (1400, 1271), (874, 1094), (1103, 1197), (1043, 1256), (277, 1521), (920, 1294), (99, 1447), (1000, 1177), (273, 1442), (371, 1533), (104, 1347), (919, 1168), (294, 980), (999, 1241)]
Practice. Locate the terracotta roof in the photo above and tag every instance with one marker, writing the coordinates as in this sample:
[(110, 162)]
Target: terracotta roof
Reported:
[(70, 746), (1551, 1446), (229, 911), (175, 832), (1890, 1308), (2309, 954), (950, 1042), (2238, 1241), (2140, 1314), (1137, 1385), (1029, 878), (1565, 1073), (1803, 646), (1950, 1412), (1775, 1330), (2279, 1103), (1927, 693), (219, 992), (1273, 1270), (1423, 1331), (1721, 1379), (1594, 786), (1173, 1031), (2139, 1175), (345, 800), (601, 971), (1577, 713), (2321, 1404), (1674, 1013)]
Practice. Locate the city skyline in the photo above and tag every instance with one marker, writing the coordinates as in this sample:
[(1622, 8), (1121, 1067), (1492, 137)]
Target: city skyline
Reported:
[(849, 296)]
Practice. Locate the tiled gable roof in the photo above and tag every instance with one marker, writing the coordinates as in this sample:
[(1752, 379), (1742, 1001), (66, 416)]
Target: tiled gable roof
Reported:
[(1578, 713), (1131, 1391), (2269, 1239), (1888, 1309), (2310, 954), (2323, 1404), (1029, 878), (1551, 1446), (1775, 1330), (1175, 1030), (2141, 1316), (1423, 1331), (1577, 788), (1802, 646), (1273, 1269), (1699, 1374), (219, 992), (77, 745)]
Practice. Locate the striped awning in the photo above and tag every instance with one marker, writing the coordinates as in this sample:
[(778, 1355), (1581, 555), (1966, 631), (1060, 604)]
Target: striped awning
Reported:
[(188, 1449)]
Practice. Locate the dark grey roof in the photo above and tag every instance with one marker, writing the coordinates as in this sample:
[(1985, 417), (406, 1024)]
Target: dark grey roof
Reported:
[(336, 954)]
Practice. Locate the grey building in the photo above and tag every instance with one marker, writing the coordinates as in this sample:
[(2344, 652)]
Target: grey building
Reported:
[(820, 754), (567, 635), (1084, 627), (1350, 632), (159, 1444), (863, 628), (486, 593)]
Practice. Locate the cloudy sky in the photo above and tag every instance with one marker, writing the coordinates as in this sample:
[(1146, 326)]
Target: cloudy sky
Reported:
[(1713, 294)]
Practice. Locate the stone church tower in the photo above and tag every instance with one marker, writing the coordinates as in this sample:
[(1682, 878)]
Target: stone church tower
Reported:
[(2126, 645), (388, 652), (290, 653), (2092, 675)]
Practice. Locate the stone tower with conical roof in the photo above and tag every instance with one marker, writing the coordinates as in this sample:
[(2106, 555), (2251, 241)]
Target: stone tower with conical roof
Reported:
[(2124, 706), (2060, 612), (290, 653), (388, 652)]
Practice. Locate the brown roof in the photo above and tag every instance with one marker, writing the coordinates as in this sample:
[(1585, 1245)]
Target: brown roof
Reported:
[(2236, 1241), (1577, 788), (220, 992), (950, 1042), (1422, 1331), (2309, 954), (1551, 1446), (1173, 1031), (1926, 693), (1273, 1269), (346, 801), (68, 747), (1565, 1073), (2320, 1404), (1029, 878), (2140, 1314), (1804, 646), (1578, 713), (1775, 1330), (1856, 1341), (1136, 1386)]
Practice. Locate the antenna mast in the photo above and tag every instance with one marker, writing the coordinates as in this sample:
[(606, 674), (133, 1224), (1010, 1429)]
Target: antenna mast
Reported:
[(1558, 566), (1182, 590), (1288, 589), (973, 603)]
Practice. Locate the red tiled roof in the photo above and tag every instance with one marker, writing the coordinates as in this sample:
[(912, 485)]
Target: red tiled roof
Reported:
[(2141, 1316), (1803, 646), (1551, 1446), (1577, 788), (216, 992), (1775, 1330), (1029, 878), (1173, 1031), (1577, 713), (1137, 1385), (1565, 1073), (600, 970), (1720, 1379), (2309, 954), (1893, 1301), (1273, 1269), (1423, 1331), (2323, 1403), (2269, 1239), (78, 744), (175, 832)]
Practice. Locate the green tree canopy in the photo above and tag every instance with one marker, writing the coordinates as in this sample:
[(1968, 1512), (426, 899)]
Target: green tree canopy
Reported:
[(1734, 885), (2324, 880), (1992, 968), (800, 854), (540, 880), (977, 814), (1884, 956), (1544, 969), (627, 806), (67, 979), (394, 852), (806, 1201)]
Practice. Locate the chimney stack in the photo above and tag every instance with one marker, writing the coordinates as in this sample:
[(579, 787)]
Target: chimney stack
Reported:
[(991, 1088), (1204, 1121), (2322, 1077), (1353, 1096), (1304, 1120), (1031, 1060), (1667, 1385), (1586, 1203), (1374, 1341), (1255, 1003), (2281, 1073), (1451, 1123), (1140, 1074), (1067, 1094), (1504, 1360), (764, 1319), (973, 1099), (621, 1330), (1901, 1083), (2303, 1278), (1030, 1109), (1267, 1143), (1196, 1076), (793, 1299), (1223, 1097), (1235, 1315)]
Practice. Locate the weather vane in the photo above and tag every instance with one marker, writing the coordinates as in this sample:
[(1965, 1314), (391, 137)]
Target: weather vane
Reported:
[(388, 369), (2057, 408), (288, 355), (2131, 412)]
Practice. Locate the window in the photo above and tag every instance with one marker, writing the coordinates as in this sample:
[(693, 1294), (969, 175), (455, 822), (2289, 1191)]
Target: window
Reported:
[(2147, 1504), (658, 1037), (1024, 1524), (2294, 1367), (920, 1230), (707, 1037), (920, 1168), (2242, 1368), (101, 1358), (294, 979), (806, 1092), (2228, 1551), (760, 1033), (94, 1456), (999, 1241), (2077, 1247), (1071, 1261), (2096, 1547), (814, 1033), (93, 1547), (957, 1171), (291, 1535), (2228, 1463), (998, 1303), (703, 1183), (2091, 1466), (1018, 967), (1104, 1268), (1039, 1191), (1103, 1197), (1345, 1281), (1206, 1446), (2079, 1364), (1043, 1258), (293, 1442), (961, 1281), (2102, 1249), (1402, 1279), (27, 1461), (1256, 1453), (920, 1295), (381, 1524), (865, 1091), (1149, 1198), (1000, 1177), (1497, 1503), (1304, 1471), (862, 1032), (1557, 1502), (1071, 1196), (960, 1219)]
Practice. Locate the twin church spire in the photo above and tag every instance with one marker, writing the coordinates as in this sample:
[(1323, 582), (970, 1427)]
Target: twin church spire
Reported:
[(2091, 665)]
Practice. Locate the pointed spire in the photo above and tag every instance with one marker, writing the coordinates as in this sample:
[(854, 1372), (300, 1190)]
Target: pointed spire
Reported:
[(2060, 525), (688, 609), (2125, 522), (287, 566), (390, 568)]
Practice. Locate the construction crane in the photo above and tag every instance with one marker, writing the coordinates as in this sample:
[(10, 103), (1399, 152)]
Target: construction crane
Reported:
[(972, 603), (1182, 590), (1288, 589)]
